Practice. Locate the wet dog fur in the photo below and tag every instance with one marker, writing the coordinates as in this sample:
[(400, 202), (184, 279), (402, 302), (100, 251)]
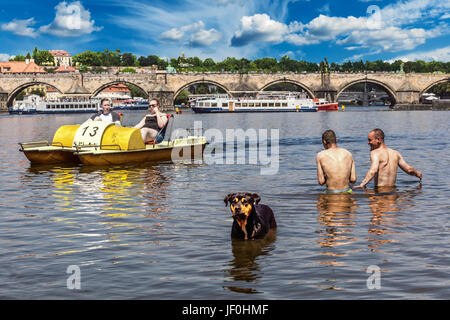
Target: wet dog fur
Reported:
[(251, 220)]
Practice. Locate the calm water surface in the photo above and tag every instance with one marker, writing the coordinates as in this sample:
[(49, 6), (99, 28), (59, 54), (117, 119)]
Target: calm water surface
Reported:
[(161, 230)]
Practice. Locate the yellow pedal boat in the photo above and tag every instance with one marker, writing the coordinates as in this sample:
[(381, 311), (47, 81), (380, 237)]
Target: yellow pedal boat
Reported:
[(101, 143)]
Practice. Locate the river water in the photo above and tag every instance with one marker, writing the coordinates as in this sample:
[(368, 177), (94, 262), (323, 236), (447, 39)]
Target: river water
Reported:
[(162, 231)]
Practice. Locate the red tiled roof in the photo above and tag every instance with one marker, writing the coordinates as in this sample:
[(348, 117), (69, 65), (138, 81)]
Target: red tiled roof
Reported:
[(117, 88), (59, 53), (65, 69), (20, 67)]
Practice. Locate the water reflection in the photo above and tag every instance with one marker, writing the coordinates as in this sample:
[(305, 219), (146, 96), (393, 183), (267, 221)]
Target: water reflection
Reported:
[(385, 204), (244, 267), (336, 215), (121, 205)]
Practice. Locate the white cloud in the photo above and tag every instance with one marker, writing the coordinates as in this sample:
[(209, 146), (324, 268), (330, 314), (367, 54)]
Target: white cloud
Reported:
[(4, 57), (259, 27), (390, 39), (172, 35), (21, 27), (71, 20), (388, 28), (195, 34), (442, 54)]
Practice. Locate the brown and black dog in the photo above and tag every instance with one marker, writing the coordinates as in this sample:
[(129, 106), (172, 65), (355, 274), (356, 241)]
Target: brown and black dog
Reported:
[(251, 220)]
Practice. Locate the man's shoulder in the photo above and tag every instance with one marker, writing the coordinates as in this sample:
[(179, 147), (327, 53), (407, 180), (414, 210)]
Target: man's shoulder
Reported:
[(343, 150)]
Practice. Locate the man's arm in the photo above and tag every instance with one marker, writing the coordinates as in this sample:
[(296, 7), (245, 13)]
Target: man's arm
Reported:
[(320, 175), (407, 168), (353, 172), (375, 163)]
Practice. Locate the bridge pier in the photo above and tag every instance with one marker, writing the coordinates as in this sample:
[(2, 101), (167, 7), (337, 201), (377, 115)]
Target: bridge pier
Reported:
[(408, 96), (166, 99), (3, 101)]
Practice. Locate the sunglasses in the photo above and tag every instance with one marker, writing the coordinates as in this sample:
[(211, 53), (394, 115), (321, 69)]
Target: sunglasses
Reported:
[(152, 105)]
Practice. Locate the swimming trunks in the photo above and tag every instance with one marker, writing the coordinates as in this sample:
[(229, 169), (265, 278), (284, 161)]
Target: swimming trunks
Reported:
[(346, 190)]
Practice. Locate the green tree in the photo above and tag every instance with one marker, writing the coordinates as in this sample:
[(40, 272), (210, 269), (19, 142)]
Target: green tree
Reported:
[(43, 57), (19, 57), (128, 59), (128, 69)]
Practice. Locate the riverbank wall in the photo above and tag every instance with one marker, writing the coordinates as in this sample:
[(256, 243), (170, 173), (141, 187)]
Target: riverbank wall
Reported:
[(438, 105)]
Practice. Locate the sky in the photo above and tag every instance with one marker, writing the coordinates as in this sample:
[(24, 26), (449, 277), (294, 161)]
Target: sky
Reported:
[(301, 29)]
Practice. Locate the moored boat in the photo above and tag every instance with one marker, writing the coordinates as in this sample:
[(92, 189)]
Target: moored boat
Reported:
[(131, 104), (290, 102), (34, 104), (324, 105)]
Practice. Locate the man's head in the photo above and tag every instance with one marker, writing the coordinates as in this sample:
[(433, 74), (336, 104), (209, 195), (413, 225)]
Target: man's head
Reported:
[(106, 105), (328, 138), (153, 104), (375, 138)]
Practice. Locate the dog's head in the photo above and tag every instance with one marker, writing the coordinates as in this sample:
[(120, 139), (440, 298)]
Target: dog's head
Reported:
[(241, 205)]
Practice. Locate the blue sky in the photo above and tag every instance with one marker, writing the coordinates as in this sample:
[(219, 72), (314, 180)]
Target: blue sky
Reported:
[(302, 29)]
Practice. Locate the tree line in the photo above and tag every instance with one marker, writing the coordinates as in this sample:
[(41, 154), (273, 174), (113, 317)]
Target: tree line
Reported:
[(98, 61), (266, 65)]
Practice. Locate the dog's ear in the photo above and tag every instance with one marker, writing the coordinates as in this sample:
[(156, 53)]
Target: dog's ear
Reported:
[(227, 198), (255, 197)]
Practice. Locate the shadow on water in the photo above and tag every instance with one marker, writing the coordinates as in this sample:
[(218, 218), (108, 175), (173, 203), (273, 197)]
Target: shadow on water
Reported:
[(244, 268)]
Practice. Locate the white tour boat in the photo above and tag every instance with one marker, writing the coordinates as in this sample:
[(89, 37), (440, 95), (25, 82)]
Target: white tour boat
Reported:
[(35, 104), (288, 102)]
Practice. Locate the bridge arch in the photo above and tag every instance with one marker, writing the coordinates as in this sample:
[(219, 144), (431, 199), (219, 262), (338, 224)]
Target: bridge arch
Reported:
[(16, 91), (176, 93), (108, 84), (433, 84), (297, 83), (391, 92)]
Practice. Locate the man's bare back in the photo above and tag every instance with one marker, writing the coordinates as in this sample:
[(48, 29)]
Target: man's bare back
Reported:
[(384, 163), (335, 167)]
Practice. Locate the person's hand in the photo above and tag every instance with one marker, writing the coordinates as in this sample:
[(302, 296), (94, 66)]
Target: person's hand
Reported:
[(419, 175), (97, 118)]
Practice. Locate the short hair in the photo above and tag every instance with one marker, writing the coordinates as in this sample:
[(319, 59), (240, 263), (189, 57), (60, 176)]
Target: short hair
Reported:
[(105, 99), (329, 137), (378, 134), (155, 99)]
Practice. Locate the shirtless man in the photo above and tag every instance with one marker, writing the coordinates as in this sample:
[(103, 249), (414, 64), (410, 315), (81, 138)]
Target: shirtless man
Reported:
[(384, 162), (335, 166)]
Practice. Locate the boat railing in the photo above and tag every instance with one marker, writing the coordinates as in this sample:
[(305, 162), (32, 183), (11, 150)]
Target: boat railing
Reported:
[(37, 144), (81, 148)]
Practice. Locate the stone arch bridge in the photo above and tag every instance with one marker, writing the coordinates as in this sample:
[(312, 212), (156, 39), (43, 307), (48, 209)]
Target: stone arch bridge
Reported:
[(401, 87)]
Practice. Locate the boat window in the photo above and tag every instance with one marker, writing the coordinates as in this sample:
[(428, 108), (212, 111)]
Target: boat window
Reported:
[(257, 104), (244, 104), (214, 104), (200, 104), (284, 104), (270, 104), (277, 104), (251, 104), (264, 104), (238, 104), (224, 104), (207, 104)]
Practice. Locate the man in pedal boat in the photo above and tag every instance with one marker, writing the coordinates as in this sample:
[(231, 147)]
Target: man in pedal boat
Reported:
[(153, 124), (106, 114)]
